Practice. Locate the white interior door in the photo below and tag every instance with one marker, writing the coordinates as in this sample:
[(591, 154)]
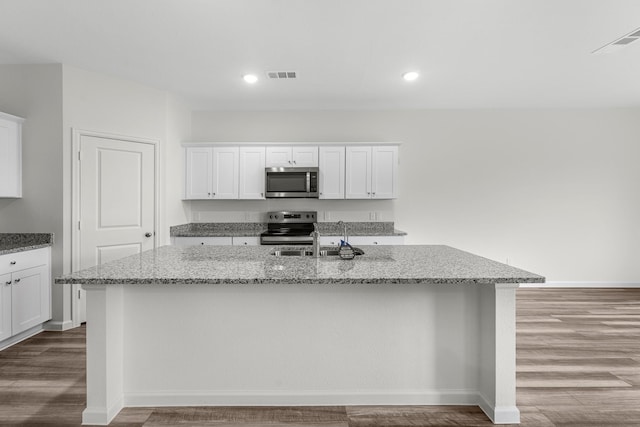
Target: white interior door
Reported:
[(116, 201)]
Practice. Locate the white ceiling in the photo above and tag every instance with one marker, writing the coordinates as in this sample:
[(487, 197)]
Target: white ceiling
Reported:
[(349, 54)]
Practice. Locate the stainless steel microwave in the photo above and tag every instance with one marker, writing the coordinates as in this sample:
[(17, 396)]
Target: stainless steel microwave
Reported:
[(291, 182)]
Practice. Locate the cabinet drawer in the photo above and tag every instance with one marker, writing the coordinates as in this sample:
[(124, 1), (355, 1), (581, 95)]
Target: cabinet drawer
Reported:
[(26, 259), (195, 241), (376, 240), (246, 241)]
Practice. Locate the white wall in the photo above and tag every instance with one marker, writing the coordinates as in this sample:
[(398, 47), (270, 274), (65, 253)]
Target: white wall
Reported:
[(34, 92), (178, 129), (553, 191)]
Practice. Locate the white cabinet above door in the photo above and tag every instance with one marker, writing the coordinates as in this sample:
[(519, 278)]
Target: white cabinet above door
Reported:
[(292, 156), (10, 155)]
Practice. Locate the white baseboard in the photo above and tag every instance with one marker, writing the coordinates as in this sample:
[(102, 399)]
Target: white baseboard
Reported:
[(312, 398), (575, 284), (101, 416), (57, 325), (20, 337), (500, 414)]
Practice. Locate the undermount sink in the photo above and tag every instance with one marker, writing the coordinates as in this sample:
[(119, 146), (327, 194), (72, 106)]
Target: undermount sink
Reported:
[(304, 252)]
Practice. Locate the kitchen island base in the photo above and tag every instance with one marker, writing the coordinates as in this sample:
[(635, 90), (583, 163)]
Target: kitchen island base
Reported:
[(300, 344)]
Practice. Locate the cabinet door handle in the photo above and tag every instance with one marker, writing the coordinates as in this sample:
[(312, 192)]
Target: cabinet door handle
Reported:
[(17, 281), (7, 283), (12, 263)]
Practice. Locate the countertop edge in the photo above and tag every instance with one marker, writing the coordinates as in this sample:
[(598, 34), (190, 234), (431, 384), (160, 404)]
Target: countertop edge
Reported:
[(392, 281)]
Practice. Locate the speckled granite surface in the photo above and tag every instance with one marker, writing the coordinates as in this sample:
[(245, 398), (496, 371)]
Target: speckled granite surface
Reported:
[(218, 229), (18, 242), (248, 229), (256, 265)]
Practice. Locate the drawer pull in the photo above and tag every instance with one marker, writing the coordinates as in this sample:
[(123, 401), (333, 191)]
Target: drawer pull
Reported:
[(12, 263)]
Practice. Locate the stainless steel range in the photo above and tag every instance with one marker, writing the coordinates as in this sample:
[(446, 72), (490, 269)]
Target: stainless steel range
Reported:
[(289, 228)]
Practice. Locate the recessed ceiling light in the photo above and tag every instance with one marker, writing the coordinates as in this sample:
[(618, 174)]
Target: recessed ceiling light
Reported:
[(250, 78), (410, 76)]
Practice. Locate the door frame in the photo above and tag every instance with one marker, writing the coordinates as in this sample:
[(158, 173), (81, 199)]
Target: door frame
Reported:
[(76, 140)]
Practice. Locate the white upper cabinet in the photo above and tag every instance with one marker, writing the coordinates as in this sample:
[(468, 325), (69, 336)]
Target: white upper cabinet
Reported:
[(198, 172), (305, 156), (225, 172), (384, 172), (292, 156), (211, 172), (252, 164), (358, 176), (10, 155), (371, 172), (331, 172), (238, 171)]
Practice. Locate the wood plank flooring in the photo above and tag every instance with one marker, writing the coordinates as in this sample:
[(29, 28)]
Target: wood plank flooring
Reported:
[(578, 365)]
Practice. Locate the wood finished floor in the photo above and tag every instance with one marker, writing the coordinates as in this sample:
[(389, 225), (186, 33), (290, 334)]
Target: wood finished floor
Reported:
[(578, 366)]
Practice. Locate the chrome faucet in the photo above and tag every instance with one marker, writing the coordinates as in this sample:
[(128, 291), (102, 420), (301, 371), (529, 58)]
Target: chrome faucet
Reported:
[(316, 240), (344, 230)]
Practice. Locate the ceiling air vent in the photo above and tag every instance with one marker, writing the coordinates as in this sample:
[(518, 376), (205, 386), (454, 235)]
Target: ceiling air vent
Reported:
[(620, 42), (281, 75)]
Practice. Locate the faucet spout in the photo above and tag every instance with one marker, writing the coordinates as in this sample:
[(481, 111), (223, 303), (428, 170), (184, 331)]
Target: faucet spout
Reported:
[(316, 240), (344, 230)]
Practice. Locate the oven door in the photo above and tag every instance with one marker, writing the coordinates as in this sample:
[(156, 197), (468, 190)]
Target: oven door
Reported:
[(290, 182)]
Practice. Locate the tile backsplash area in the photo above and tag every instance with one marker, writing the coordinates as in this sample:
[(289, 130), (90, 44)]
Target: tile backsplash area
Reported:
[(328, 210)]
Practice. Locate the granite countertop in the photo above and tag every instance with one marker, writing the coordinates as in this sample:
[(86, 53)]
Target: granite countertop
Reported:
[(18, 242), (253, 229), (256, 265)]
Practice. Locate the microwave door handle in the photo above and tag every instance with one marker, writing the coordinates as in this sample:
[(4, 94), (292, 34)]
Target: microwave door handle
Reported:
[(308, 182)]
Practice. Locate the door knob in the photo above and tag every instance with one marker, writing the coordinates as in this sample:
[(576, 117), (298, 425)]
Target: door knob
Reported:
[(147, 234)]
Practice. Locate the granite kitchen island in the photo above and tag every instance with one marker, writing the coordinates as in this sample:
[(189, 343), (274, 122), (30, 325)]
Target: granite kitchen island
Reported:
[(214, 325)]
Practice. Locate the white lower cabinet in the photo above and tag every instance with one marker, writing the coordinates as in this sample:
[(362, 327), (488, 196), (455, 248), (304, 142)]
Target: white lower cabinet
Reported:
[(195, 241), (5, 306), (363, 240), (246, 241), (25, 291), (217, 241)]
